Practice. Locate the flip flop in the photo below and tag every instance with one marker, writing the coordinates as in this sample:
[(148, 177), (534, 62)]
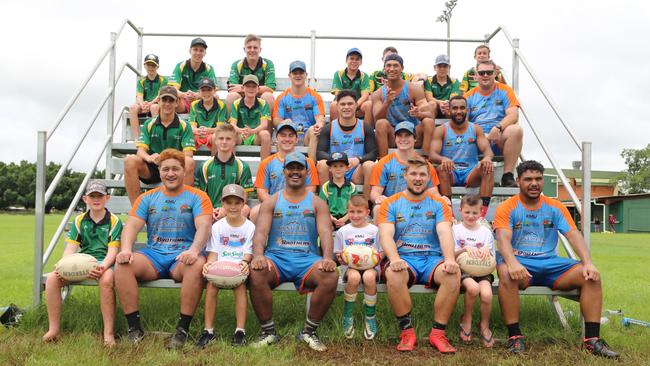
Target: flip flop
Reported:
[(465, 336), (488, 342)]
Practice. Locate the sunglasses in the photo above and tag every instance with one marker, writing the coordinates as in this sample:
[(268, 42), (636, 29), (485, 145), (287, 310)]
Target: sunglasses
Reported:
[(485, 72)]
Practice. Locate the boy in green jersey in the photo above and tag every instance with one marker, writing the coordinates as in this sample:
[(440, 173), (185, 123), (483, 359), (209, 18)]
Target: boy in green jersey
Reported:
[(337, 191), (187, 75), (251, 117), (206, 113), (146, 95)]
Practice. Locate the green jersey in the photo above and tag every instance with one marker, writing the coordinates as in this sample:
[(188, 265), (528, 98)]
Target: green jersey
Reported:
[(199, 116), (264, 70), (215, 174), (377, 79), (187, 79), (148, 89), (249, 117), (94, 238), (155, 137), (359, 84), (441, 92), (337, 197)]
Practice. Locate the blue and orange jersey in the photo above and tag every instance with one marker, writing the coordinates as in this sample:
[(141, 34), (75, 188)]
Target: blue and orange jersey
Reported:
[(460, 148), (534, 231), (488, 110), (170, 218), (293, 227), (415, 222), (301, 109), (270, 174), (389, 173)]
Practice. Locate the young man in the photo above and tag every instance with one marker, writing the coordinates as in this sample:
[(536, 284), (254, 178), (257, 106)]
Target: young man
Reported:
[(187, 74), (338, 190), (378, 78), (415, 232), (351, 78), (251, 117), (440, 87), (303, 106), (178, 219), (146, 94), (252, 64), (527, 227), (159, 133), (495, 108), (222, 169), (470, 78), (399, 101), (285, 249), (206, 113), (351, 136), (455, 148)]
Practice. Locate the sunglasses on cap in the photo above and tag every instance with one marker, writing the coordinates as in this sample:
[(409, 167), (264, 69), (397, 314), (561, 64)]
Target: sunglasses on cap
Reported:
[(485, 72)]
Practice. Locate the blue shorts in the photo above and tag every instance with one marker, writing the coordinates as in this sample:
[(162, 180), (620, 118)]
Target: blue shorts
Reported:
[(546, 271), (350, 172), (163, 263), (496, 150), (421, 268), (460, 176), (293, 267)]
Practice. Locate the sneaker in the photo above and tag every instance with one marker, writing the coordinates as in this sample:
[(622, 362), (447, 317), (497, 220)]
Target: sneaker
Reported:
[(135, 335), (348, 326), (238, 338), (508, 180), (178, 339), (597, 346), (516, 344), (266, 340), (407, 340), (312, 341), (205, 339), (371, 328), (438, 339)]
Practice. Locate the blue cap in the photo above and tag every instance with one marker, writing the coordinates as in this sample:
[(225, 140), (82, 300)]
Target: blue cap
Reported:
[(287, 123), (297, 65), (354, 50), (295, 157), (405, 125)]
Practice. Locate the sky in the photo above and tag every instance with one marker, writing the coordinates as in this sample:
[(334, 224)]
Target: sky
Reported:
[(590, 56)]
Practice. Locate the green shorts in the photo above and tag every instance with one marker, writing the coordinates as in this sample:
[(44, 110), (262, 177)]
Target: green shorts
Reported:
[(250, 140)]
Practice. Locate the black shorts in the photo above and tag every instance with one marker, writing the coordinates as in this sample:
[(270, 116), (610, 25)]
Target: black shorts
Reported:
[(489, 278), (154, 172)]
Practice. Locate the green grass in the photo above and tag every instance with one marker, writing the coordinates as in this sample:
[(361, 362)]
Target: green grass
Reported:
[(621, 258)]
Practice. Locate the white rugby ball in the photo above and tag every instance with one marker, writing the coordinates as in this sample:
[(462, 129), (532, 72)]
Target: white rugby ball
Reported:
[(225, 274), (476, 267), (75, 267), (360, 257)]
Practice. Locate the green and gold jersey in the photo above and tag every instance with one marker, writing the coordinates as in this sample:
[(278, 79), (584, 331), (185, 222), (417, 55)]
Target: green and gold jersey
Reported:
[(441, 92), (337, 198), (265, 72), (155, 137), (249, 117), (148, 88), (184, 78), (215, 174), (94, 238), (360, 83), (199, 116)]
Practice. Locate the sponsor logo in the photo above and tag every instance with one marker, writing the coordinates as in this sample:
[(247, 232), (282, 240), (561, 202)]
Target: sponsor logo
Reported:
[(430, 215), (164, 208), (358, 141), (548, 224), (152, 211), (399, 218), (308, 213), (531, 216), (186, 208), (498, 102), (517, 225)]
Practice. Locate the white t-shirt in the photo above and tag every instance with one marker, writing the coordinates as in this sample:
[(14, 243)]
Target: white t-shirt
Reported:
[(350, 235), (231, 243), (479, 238)]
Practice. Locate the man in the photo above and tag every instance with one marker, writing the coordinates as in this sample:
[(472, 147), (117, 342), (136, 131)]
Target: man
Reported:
[(159, 133), (527, 227), (415, 233), (206, 113), (252, 64), (351, 136), (251, 117), (378, 77), (146, 94), (398, 101), (440, 87), (292, 220), (178, 219), (495, 108), (187, 74), (303, 106), (470, 79), (455, 148), (351, 78)]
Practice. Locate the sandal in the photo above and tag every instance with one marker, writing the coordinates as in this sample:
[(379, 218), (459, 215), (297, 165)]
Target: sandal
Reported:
[(465, 336), (488, 341)]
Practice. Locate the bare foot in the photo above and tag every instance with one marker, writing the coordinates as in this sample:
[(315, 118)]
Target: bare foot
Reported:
[(109, 341), (51, 336)]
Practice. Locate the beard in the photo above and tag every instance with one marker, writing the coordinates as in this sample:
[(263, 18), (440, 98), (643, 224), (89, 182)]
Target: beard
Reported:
[(413, 192), (459, 119)]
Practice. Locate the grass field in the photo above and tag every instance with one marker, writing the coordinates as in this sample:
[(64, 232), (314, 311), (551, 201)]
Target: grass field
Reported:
[(622, 259)]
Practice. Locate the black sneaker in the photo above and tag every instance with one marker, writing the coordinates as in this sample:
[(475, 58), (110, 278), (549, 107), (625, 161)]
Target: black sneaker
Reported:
[(516, 345), (238, 338), (597, 346), (205, 339), (508, 180), (178, 339), (135, 335)]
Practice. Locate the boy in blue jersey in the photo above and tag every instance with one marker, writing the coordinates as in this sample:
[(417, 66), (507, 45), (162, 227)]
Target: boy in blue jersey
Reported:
[(415, 232), (527, 227), (285, 249)]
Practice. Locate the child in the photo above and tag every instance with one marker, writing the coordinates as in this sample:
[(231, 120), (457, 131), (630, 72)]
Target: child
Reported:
[(477, 240), (358, 232), (231, 240), (206, 113), (251, 117), (337, 192), (146, 95), (95, 232)]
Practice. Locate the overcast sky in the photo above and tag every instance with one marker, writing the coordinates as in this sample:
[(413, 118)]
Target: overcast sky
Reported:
[(591, 56)]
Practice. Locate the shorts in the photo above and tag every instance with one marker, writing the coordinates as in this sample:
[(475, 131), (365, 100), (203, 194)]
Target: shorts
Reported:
[(163, 263), (460, 177), (421, 268), (200, 141), (489, 278), (293, 267), (495, 149), (350, 172), (154, 172), (185, 103), (546, 271), (250, 140)]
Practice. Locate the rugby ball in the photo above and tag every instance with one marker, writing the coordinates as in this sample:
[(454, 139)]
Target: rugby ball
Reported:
[(225, 274), (476, 267), (360, 257), (75, 267)]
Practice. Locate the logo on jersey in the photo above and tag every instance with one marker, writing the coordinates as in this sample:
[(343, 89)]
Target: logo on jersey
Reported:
[(548, 224), (186, 208), (308, 213), (430, 215), (392, 176), (498, 102), (399, 218), (277, 215), (152, 211), (358, 141), (164, 208), (517, 225)]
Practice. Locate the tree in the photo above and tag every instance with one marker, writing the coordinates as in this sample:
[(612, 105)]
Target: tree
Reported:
[(636, 179)]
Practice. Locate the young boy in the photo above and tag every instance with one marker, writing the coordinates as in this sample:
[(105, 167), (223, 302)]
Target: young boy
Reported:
[(481, 53), (231, 240), (251, 117), (358, 232), (95, 232), (477, 240), (337, 192), (146, 95), (351, 78), (206, 113)]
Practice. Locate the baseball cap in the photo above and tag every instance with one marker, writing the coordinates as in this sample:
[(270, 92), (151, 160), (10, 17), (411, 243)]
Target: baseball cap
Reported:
[(206, 83), (297, 65), (232, 190), (287, 123), (405, 125), (96, 186), (250, 78), (354, 50), (151, 59), (198, 42), (295, 157), (168, 91), (338, 157), (442, 59), (394, 57)]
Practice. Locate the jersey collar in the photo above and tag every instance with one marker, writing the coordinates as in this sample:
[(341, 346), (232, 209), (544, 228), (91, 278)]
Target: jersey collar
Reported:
[(175, 122), (188, 65), (105, 220)]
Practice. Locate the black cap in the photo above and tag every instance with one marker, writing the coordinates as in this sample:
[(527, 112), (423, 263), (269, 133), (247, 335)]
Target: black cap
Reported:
[(206, 83), (338, 157), (151, 59), (198, 42), (394, 57)]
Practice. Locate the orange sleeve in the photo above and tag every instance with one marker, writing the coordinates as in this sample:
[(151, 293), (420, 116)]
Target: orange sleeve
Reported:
[(435, 181), (510, 94), (206, 204), (502, 214), (276, 105), (376, 171), (260, 177), (138, 202), (319, 100), (383, 208), (446, 210), (313, 173), (469, 93)]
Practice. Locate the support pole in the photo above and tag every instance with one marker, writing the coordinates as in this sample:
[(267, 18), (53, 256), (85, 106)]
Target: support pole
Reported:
[(139, 51), (110, 105), (515, 65), (312, 61), (449, 36), (39, 206), (586, 192)]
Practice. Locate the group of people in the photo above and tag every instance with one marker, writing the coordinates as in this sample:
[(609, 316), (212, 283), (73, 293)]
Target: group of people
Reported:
[(200, 214)]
